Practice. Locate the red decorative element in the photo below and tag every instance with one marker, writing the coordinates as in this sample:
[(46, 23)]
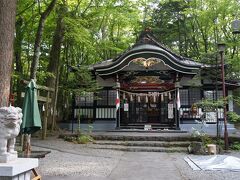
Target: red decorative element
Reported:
[(117, 101)]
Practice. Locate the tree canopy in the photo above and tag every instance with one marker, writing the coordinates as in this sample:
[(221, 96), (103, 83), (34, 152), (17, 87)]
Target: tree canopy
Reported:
[(76, 33)]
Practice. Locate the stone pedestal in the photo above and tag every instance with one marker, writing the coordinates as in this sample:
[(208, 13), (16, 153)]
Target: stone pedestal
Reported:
[(8, 157), (20, 169)]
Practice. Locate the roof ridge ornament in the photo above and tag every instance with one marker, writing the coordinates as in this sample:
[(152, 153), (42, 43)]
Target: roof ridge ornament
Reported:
[(146, 62)]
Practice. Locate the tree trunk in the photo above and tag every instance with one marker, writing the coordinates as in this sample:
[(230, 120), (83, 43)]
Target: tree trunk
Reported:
[(53, 66), (18, 60), (38, 39), (7, 28)]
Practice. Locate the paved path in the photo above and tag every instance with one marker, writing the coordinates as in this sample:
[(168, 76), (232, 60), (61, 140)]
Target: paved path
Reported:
[(69, 161), (135, 166)]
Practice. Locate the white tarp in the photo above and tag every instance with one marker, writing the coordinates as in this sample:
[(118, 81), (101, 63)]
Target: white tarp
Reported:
[(214, 163)]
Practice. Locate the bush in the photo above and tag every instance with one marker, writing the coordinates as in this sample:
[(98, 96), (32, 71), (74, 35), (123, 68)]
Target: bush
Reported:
[(84, 139), (79, 139), (235, 146), (233, 117), (205, 138)]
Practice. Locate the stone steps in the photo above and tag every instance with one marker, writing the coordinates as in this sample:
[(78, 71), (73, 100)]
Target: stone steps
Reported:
[(145, 137), (142, 148), (141, 144), (145, 143)]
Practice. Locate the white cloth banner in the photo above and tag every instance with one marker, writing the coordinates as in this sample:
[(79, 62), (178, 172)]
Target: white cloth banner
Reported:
[(178, 100), (214, 163)]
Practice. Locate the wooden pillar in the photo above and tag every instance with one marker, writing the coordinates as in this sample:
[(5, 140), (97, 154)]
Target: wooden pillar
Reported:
[(94, 107), (45, 117), (73, 108), (175, 112)]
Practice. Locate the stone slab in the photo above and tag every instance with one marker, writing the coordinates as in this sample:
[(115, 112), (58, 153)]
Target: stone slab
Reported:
[(18, 166), (7, 158)]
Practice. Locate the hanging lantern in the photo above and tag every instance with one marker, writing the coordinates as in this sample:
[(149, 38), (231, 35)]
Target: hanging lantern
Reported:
[(236, 26)]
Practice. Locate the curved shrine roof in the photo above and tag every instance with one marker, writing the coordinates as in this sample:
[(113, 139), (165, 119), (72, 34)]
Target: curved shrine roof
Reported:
[(147, 47)]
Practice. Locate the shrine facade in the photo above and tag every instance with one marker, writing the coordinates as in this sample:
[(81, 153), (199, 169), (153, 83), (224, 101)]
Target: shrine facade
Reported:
[(153, 85)]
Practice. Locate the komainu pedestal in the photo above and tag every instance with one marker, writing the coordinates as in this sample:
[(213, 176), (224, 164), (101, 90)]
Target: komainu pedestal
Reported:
[(10, 121)]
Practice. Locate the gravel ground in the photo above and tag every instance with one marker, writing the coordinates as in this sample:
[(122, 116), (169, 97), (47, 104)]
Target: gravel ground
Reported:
[(69, 160), (75, 159)]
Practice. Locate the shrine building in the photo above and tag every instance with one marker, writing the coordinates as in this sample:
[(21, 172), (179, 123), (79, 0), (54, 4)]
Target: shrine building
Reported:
[(152, 86)]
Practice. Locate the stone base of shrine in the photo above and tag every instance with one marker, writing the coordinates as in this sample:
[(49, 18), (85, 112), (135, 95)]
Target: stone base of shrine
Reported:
[(19, 169)]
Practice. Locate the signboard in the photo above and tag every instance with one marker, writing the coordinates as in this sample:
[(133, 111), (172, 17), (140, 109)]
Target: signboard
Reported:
[(211, 117), (147, 127), (170, 111), (126, 107)]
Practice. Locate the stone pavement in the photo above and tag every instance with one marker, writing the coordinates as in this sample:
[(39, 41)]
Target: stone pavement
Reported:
[(70, 161), (133, 166)]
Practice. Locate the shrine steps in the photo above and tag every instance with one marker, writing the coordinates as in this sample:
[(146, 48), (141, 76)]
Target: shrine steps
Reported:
[(140, 142), (145, 149), (153, 126), (142, 146)]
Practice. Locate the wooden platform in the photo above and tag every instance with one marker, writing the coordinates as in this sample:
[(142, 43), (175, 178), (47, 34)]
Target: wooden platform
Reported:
[(33, 154)]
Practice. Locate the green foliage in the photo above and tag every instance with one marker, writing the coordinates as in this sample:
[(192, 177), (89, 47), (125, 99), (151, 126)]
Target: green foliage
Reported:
[(193, 28), (233, 117), (98, 30), (210, 105), (205, 138), (79, 139), (235, 146), (236, 99), (220, 143), (81, 81)]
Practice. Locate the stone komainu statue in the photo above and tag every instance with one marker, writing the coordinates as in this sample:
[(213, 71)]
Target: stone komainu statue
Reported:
[(10, 121)]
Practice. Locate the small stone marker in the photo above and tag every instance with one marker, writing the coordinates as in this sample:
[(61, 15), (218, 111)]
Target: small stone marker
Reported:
[(212, 150)]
